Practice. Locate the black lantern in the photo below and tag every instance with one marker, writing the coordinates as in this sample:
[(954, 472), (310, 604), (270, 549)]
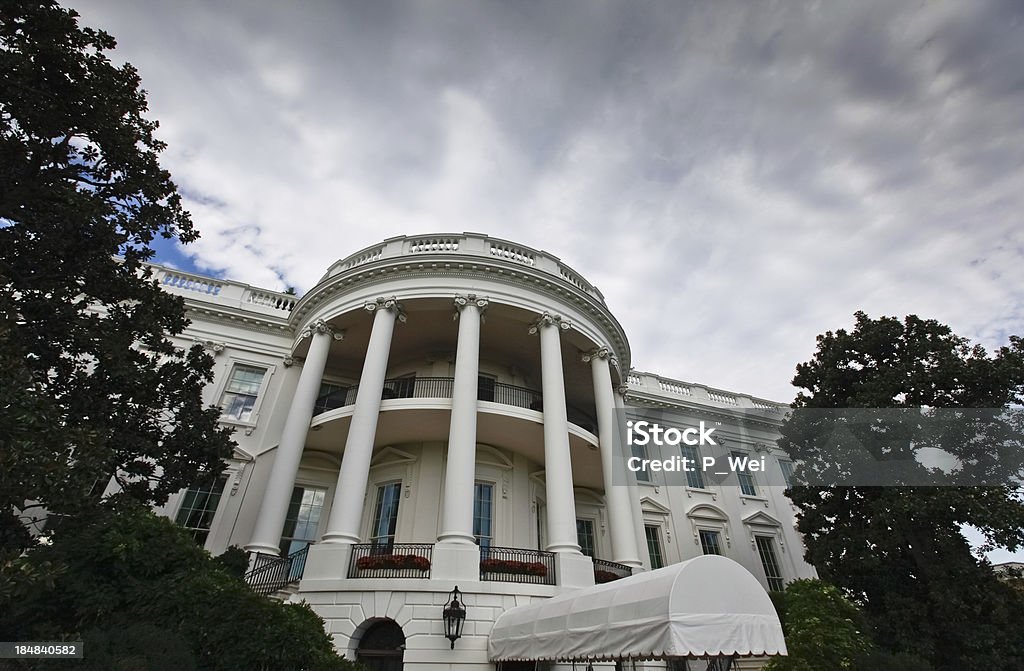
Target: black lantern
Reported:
[(454, 617)]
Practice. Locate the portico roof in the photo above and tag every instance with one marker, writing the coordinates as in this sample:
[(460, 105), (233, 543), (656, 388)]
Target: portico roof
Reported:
[(707, 606)]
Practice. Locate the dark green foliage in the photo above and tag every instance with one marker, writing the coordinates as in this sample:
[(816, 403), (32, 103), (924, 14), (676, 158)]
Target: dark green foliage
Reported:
[(824, 631), (898, 551), (90, 386), (137, 587), (235, 561)]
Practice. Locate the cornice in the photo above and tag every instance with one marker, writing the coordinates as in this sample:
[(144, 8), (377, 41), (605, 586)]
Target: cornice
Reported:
[(252, 321), (453, 265), (729, 414)]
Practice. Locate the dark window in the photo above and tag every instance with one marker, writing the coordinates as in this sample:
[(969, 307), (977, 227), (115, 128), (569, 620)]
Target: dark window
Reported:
[(787, 472), (485, 388), (709, 542), (695, 476), (198, 507), (654, 546), (483, 514), (585, 536), (331, 396), (747, 487), (385, 516), (770, 563), (640, 452), (402, 387), (303, 519)]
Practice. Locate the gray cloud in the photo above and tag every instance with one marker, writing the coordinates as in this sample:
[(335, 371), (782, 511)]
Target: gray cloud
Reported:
[(736, 177)]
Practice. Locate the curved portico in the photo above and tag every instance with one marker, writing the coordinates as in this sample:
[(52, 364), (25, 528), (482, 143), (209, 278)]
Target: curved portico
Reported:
[(509, 329)]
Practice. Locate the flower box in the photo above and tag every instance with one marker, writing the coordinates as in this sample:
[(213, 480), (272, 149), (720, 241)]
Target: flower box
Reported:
[(375, 562), (513, 567), (601, 576)]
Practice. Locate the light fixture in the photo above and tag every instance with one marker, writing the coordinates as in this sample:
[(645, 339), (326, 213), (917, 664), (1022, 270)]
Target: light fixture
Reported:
[(454, 617)]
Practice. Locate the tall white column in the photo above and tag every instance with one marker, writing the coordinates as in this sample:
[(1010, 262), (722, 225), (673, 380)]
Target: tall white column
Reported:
[(274, 508), (347, 508), (561, 504), (460, 471), (616, 492), (634, 494)]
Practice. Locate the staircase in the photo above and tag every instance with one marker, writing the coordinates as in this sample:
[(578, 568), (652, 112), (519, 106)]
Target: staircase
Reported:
[(276, 577)]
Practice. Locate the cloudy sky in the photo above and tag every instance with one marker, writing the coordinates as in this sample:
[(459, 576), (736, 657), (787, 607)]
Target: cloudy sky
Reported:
[(736, 177)]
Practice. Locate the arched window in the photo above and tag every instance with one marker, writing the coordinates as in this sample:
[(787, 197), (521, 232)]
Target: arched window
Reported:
[(382, 647)]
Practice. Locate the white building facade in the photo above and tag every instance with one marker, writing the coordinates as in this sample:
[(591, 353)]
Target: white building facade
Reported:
[(438, 411)]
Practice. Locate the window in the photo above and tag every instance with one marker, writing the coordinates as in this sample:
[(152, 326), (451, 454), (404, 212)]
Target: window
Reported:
[(385, 516), (770, 563), (640, 452), (695, 477), (787, 472), (198, 507), (331, 396), (483, 514), (241, 392), (654, 546), (303, 519), (402, 387), (747, 487), (485, 388), (709, 542), (585, 536)]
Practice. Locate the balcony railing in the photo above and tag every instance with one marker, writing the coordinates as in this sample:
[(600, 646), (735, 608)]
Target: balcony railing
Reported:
[(441, 387), (517, 565), (270, 573), (607, 571), (390, 560)]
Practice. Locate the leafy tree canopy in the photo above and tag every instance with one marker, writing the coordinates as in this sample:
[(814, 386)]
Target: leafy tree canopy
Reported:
[(898, 550), (90, 385), (141, 594)]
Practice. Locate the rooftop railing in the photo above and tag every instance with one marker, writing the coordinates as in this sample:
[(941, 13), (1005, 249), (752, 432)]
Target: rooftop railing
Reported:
[(466, 244), (224, 292)]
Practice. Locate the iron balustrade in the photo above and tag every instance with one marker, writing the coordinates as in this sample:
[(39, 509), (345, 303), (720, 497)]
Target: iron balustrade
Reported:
[(607, 571), (270, 573), (390, 560), (498, 564)]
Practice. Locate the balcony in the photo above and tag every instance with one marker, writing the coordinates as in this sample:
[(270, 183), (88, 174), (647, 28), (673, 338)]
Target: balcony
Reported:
[(608, 571), (339, 396), (498, 564), (390, 560)]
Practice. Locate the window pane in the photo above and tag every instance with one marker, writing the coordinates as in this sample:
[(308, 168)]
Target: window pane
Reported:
[(585, 536), (641, 453), (198, 507), (654, 546), (385, 517), (695, 477), (241, 392), (770, 563), (709, 544), (787, 472), (483, 513), (746, 480), (303, 519)]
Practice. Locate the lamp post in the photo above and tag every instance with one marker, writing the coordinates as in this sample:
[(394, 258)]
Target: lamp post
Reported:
[(454, 617)]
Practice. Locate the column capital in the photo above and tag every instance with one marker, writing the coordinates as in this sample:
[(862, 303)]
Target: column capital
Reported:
[(597, 353), (548, 319), (320, 327), (390, 304), (481, 302)]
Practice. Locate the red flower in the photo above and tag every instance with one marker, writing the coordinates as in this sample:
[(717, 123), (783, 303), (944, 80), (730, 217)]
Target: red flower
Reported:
[(392, 561)]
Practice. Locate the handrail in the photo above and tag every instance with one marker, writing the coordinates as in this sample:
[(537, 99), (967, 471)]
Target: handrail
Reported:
[(270, 573), (520, 565), (607, 571), (390, 560)]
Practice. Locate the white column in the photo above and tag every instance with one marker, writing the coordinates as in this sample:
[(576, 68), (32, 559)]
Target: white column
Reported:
[(274, 508), (616, 491), (635, 493), (347, 508), (460, 471), (561, 504)]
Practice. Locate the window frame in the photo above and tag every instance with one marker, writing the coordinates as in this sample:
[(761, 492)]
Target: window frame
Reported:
[(717, 534), (657, 539), (479, 536), (375, 519), (587, 522), (747, 476), (319, 523), (776, 581), (220, 485), (697, 474), (261, 394)]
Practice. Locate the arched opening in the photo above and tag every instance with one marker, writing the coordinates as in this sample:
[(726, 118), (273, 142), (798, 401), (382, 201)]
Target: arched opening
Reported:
[(382, 647)]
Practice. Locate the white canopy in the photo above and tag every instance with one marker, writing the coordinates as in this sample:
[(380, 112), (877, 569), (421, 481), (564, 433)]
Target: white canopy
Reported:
[(702, 607)]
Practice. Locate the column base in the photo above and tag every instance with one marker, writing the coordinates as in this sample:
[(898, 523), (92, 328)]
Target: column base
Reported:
[(327, 561), (455, 561), (574, 570)]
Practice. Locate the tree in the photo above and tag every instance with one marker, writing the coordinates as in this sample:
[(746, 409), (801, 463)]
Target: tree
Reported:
[(141, 594), (824, 631), (898, 551), (90, 385)]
